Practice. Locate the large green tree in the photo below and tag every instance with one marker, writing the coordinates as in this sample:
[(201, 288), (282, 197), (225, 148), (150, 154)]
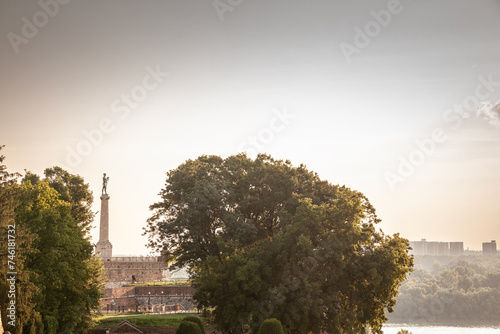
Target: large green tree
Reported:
[(67, 273), (265, 239), (58, 280), (27, 318), (237, 200)]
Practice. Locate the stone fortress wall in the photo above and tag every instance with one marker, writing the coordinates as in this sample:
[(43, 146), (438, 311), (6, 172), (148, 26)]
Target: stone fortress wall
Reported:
[(126, 270), (156, 299), (120, 271)]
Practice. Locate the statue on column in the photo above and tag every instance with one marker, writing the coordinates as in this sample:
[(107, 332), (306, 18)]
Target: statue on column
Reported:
[(105, 184)]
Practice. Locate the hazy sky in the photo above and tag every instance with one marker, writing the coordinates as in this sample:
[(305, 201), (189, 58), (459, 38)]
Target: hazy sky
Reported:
[(378, 95)]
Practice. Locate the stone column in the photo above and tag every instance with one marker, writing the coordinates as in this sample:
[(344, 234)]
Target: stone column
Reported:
[(104, 247), (104, 222)]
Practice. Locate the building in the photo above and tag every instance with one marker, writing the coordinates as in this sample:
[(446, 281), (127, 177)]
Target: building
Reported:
[(156, 299), (424, 247), (490, 248), (457, 248), (120, 271), (126, 327), (419, 247), (437, 248)]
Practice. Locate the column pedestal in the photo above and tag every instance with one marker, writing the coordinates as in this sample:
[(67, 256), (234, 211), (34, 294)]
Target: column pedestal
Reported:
[(104, 248)]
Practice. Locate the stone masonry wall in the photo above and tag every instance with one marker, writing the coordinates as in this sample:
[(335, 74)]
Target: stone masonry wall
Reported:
[(148, 299), (126, 270), (119, 273)]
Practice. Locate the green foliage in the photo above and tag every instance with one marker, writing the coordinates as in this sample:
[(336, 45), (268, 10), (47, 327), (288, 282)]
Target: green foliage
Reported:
[(59, 282), (28, 319), (271, 326), (50, 324), (143, 320), (196, 320), (464, 291), (67, 273), (265, 239), (188, 327), (403, 331), (236, 200), (71, 189)]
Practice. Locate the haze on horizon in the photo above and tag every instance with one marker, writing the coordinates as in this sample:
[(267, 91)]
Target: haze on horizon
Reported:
[(396, 99)]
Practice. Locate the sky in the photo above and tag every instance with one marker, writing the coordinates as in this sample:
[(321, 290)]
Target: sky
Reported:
[(396, 99)]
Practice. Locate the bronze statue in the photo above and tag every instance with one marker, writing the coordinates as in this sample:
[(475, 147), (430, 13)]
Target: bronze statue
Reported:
[(105, 184)]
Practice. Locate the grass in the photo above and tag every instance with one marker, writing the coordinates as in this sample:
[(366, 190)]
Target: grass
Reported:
[(142, 320)]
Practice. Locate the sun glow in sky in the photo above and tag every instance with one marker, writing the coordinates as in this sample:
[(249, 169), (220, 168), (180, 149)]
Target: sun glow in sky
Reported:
[(378, 95)]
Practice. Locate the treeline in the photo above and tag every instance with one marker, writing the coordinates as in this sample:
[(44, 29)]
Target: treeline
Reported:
[(466, 291), (50, 281)]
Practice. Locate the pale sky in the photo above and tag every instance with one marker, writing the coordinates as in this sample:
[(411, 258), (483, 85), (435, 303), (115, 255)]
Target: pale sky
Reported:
[(347, 89)]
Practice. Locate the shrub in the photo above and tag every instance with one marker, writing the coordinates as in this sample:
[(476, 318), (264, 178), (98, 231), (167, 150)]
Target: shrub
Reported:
[(404, 331), (271, 326), (50, 324), (188, 327), (196, 320)]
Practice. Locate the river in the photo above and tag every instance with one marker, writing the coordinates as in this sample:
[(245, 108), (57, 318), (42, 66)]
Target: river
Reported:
[(394, 328)]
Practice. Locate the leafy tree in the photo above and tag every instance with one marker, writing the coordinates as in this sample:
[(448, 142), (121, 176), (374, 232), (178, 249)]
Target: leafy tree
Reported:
[(404, 331), (449, 279), (28, 319), (188, 327), (196, 320), (492, 279), (271, 326), (236, 200), (316, 273), (463, 291), (265, 239), (58, 279), (71, 189), (68, 275)]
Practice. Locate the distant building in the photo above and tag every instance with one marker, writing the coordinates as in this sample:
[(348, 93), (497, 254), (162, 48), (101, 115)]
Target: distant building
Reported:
[(456, 248), (490, 248), (437, 248), (419, 247)]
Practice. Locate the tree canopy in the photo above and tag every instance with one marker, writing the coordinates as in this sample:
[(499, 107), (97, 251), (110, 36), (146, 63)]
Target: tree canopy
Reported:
[(463, 291), (27, 319), (264, 239), (71, 189), (59, 280), (67, 272)]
